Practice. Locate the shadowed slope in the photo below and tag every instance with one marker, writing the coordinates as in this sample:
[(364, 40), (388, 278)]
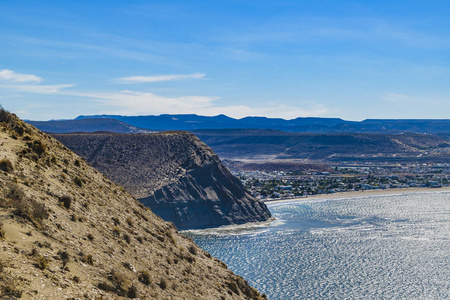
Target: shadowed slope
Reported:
[(174, 173)]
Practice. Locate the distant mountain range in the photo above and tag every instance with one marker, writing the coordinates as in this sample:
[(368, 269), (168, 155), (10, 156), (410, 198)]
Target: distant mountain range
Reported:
[(133, 124)]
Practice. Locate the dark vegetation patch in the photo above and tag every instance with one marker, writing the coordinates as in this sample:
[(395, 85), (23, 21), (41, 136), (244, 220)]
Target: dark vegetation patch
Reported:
[(144, 277), (119, 284), (8, 286), (6, 165), (24, 207), (78, 181), (65, 201), (2, 232)]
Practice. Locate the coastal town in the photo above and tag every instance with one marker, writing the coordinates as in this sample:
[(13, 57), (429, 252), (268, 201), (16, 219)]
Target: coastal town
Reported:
[(273, 185)]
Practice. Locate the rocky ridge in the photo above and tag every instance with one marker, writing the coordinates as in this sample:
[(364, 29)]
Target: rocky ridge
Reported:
[(87, 125), (66, 231), (178, 176)]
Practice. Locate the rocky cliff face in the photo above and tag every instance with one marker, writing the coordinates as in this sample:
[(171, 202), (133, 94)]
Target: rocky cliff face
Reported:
[(174, 173), (66, 231)]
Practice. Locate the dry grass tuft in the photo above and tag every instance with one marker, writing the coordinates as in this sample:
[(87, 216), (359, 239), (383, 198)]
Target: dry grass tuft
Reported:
[(42, 263)]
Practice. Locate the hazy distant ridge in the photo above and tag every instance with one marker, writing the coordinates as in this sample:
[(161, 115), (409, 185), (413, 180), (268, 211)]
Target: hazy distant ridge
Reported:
[(308, 125)]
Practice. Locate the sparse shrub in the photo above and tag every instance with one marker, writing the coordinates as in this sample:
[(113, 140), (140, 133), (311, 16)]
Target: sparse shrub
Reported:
[(90, 237), (2, 232), (73, 217), (170, 236), (232, 286), (77, 163), (39, 211), (31, 210), (120, 282), (129, 266), (116, 231), (116, 221), (19, 129), (5, 116), (42, 263), (193, 250), (187, 270), (139, 239), (129, 221), (163, 283), (38, 147), (132, 292), (8, 288), (187, 256), (88, 259), (127, 238), (106, 287), (66, 201), (44, 245), (15, 192), (76, 279), (78, 181), (6, 165), (53, 159), (64, 255), (144, 277)]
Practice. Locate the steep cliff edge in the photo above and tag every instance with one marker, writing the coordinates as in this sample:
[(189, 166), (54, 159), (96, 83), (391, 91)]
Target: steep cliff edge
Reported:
[(67, 232), (178, 176)]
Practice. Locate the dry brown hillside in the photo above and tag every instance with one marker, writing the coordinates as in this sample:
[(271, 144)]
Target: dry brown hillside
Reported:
[(66, 232)]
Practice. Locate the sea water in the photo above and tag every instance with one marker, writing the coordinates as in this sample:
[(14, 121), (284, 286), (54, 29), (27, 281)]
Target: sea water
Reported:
[(365, 247)]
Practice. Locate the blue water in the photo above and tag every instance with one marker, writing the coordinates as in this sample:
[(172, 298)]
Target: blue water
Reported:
[(368, 247)]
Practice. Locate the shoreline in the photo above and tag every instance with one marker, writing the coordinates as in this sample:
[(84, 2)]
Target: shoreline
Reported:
[(359, 193)]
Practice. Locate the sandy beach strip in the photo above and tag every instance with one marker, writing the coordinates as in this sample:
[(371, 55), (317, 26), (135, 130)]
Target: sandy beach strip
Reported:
[(360, 193)]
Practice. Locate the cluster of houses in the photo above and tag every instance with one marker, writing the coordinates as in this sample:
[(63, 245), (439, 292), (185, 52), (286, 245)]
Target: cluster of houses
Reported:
[(284, 185)]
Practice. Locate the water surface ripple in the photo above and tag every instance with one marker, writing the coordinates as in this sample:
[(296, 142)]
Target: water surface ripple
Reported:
[(370, 247)]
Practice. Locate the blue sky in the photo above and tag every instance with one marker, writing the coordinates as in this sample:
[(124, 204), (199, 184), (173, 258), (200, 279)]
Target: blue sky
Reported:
[(348, 59)]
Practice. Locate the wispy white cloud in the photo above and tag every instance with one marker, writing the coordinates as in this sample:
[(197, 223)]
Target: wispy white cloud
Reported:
[(130, 102), (139, 103), (19, 82), (38, 89), (12, 76), (425, 101), (159, 78)]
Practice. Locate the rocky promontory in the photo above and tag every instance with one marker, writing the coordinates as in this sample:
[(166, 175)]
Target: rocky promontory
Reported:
[(174, 173)]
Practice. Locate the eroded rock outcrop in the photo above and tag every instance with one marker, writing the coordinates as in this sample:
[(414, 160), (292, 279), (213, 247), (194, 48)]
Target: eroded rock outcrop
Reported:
[(178, 176)]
